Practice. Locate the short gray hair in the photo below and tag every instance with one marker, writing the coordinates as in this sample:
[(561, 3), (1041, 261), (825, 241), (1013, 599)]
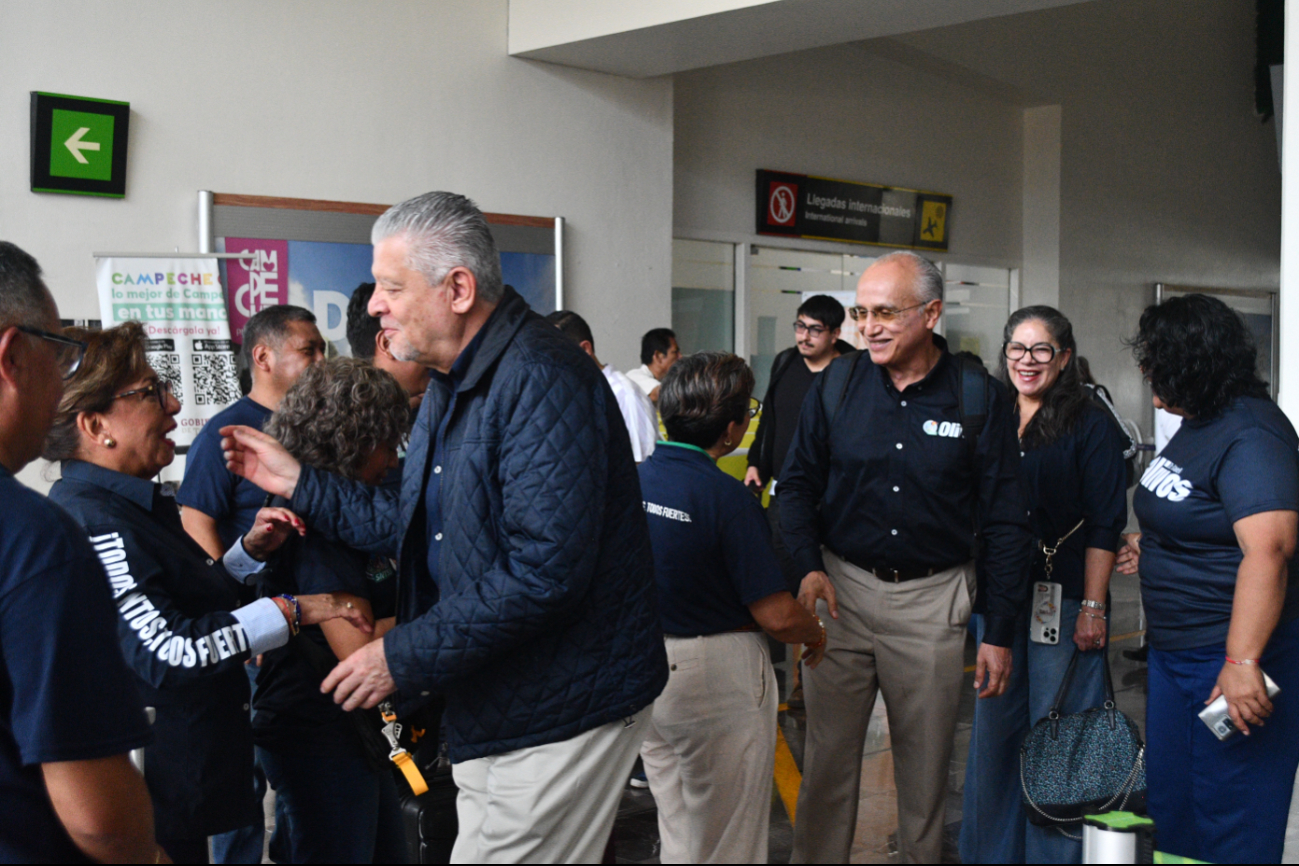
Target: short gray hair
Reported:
[(24, 299), (929, 280), (445, 230)]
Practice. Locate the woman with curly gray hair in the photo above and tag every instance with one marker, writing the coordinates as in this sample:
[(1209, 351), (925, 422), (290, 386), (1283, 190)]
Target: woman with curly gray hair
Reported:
[(347, 417)]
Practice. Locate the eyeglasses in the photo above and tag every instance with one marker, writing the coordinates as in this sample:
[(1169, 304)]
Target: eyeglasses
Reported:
[(1043, 353), (862, 314), (70, 351), (814, 330), (755, 406), (158, 389)]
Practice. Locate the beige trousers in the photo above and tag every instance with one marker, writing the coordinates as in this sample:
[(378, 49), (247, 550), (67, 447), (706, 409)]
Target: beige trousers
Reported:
[(546, 804), (906, 641), (710, 749)]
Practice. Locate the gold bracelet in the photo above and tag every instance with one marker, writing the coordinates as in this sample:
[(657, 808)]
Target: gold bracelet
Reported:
[(821, 642)]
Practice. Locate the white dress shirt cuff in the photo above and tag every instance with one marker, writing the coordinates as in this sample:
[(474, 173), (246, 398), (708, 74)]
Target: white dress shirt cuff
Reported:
[(264, 625), (240, 563)]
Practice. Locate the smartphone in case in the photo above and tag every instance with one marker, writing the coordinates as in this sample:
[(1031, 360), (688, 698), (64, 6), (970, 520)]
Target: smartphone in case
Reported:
[(1219, 721), (1044, 627)]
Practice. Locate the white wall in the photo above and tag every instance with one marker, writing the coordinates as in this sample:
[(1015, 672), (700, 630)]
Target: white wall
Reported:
[(1167, 175), (370, 102), (1161, 170), (841, 112)]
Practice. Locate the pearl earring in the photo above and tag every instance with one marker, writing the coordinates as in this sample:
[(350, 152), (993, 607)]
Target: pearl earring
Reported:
[(110, 442)]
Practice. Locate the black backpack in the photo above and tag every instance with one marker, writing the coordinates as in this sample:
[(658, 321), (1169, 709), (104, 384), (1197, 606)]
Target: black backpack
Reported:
[(1131, 453)]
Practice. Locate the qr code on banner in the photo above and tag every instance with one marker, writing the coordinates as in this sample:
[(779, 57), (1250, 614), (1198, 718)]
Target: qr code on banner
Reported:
[(215, 381), (167, 366)]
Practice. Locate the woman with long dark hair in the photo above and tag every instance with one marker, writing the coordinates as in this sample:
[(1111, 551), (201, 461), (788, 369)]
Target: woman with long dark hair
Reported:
[(1074, 480), (1218, 508)]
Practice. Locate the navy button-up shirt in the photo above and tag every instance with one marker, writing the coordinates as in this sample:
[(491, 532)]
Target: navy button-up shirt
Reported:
[(892, 485), (426, 593)]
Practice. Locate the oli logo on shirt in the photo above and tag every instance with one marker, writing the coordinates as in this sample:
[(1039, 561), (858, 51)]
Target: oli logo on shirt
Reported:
[(949, 429), (1162, 478)]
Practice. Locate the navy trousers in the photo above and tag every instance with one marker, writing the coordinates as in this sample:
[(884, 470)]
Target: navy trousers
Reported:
[(335, 809), (1221, 802)]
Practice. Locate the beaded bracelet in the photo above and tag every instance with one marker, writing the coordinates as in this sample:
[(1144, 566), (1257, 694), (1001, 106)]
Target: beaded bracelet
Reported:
[(296, 624)]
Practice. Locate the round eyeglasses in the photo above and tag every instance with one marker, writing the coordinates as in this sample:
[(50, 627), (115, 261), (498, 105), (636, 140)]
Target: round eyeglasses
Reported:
[(1042, 353), (755, 406)]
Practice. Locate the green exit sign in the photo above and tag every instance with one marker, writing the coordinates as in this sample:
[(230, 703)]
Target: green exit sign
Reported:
[(79, 145)]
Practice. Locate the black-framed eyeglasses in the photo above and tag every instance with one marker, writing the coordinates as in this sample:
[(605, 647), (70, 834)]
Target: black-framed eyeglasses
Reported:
[(1043, 353), (861, 314), (158, 389), (801, 327), (70, 351), (755, 406)]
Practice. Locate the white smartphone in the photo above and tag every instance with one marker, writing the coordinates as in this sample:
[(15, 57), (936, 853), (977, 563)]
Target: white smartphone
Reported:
[(1215, 715), (1044, 627)]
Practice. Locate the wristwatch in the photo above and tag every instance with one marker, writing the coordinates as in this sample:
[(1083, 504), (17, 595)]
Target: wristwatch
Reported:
[(1094, 605)]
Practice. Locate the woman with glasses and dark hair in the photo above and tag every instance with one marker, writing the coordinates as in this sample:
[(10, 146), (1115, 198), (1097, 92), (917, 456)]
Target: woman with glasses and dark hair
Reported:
[(1074, 479), (1218, 510), (347, 417), (712, 738), (179, 623)]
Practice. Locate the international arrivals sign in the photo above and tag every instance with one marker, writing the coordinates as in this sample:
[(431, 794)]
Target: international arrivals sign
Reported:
[(820, 208)]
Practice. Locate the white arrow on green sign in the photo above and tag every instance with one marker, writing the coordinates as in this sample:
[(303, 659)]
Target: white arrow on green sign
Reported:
[(81, 145)]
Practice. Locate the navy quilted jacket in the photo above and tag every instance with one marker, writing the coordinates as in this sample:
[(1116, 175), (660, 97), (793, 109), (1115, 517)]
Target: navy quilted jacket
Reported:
[(545, 623)]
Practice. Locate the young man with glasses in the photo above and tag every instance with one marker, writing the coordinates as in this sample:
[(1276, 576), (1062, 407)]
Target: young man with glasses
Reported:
[(816, 344), (879, 511)]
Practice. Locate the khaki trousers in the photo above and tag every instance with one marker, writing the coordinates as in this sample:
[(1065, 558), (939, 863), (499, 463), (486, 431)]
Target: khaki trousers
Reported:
[(546, 804), (906, 641), (710, 749)]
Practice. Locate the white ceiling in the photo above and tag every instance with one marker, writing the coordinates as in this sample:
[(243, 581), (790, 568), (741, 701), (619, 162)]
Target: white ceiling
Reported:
[(645, 38)]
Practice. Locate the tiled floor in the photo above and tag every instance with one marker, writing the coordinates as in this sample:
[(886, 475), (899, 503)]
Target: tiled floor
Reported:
[(636, 831)]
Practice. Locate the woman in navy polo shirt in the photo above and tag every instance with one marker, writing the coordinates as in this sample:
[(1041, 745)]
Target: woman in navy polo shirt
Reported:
[(1075, 482), (347, 417), (1218, 509), (179, 624), (712, 739)]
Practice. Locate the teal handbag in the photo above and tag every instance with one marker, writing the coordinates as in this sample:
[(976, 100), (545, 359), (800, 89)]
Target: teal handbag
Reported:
[(1082, 763)]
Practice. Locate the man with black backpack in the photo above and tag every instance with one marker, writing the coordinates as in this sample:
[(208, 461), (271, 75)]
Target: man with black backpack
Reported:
[(901, 461), (817, 343)]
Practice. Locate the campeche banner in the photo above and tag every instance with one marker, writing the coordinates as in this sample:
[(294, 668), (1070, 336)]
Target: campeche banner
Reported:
[(182, 307), (820, 208)]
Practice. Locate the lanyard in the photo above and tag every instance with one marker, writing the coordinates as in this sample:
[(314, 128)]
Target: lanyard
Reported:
[(690, 447)]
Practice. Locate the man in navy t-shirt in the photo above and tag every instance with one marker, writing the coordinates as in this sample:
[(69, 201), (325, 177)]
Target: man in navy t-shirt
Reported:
[(218, 506), (69, 709)]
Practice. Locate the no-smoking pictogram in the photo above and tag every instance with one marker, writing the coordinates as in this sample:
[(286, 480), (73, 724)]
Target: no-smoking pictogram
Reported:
[(781, 203)]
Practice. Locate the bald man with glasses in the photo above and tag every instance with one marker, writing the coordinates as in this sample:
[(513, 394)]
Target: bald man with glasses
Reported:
[(881, 495)]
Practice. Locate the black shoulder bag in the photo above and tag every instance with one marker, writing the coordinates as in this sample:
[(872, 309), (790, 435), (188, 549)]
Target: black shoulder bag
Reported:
[(1082, 763)]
